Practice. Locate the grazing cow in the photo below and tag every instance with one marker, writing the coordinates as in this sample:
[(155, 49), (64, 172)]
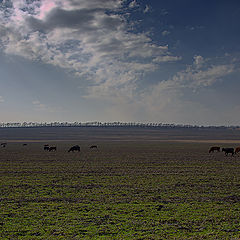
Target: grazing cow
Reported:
[(228, 150), (50, 149), (237, 150), (24, 144), (74, 148), (46, 148), (3, 144), (94, 146), (213, 149)]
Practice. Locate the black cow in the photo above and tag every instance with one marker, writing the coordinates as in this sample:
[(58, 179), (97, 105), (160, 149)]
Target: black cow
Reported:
[(228, 150), (24, 144), (3, 144), (74, 148), (50, 149), (46, 148), (94, 146)]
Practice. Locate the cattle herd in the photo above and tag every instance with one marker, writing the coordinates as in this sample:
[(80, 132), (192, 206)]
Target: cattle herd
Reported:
[(225, 150), (46, 147), (76, 148)]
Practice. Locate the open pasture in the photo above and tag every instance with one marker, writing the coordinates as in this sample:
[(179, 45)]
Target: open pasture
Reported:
[(122, 190)]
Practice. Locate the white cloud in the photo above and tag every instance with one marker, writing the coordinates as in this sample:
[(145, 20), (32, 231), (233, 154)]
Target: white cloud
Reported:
[(1, 99), (198, 61), (38, 106), (163, 12), (133, 4), (147, 9), (165, 33), (167, 58), (195, 77), (169, 100), (93, 42)]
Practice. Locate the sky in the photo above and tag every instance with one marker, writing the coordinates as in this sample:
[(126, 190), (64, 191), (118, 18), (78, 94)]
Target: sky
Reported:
[(120, 60)]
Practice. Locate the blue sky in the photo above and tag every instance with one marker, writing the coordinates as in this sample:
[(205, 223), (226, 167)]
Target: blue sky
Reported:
[(115, 60)]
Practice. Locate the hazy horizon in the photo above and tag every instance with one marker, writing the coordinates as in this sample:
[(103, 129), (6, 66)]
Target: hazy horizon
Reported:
[(111, 124), (120, 60)]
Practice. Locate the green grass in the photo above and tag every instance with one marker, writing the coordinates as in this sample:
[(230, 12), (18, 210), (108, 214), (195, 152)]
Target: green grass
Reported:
[(126, 190)]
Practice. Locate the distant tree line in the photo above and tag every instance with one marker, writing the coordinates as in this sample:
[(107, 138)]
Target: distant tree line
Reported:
[(107, 124)]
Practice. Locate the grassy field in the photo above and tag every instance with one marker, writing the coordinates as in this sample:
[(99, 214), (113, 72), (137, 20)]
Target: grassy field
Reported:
[(123, 190)]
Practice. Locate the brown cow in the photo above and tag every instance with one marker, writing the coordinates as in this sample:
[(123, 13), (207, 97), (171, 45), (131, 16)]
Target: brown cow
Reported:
[(213, 149), (237, 150)]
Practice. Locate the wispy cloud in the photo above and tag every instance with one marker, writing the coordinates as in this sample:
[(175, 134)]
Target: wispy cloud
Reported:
[(146, 9), (165, 33), (169, 99), (164, 12), (133, 4), (1, 99), (198, 61), (197, 75), (38, 106), (193, 78)]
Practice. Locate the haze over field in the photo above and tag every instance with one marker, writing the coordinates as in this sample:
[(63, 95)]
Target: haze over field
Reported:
[(120, 60)]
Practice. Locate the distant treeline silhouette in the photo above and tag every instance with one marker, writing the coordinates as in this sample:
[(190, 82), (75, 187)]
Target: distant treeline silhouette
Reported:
[(108, 124)]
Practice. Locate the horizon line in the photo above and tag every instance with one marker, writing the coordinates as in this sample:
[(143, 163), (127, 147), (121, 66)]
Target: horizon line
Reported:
[(107, 124)]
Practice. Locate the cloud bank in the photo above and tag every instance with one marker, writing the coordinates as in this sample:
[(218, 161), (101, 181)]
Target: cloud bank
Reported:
[(93, 39)]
